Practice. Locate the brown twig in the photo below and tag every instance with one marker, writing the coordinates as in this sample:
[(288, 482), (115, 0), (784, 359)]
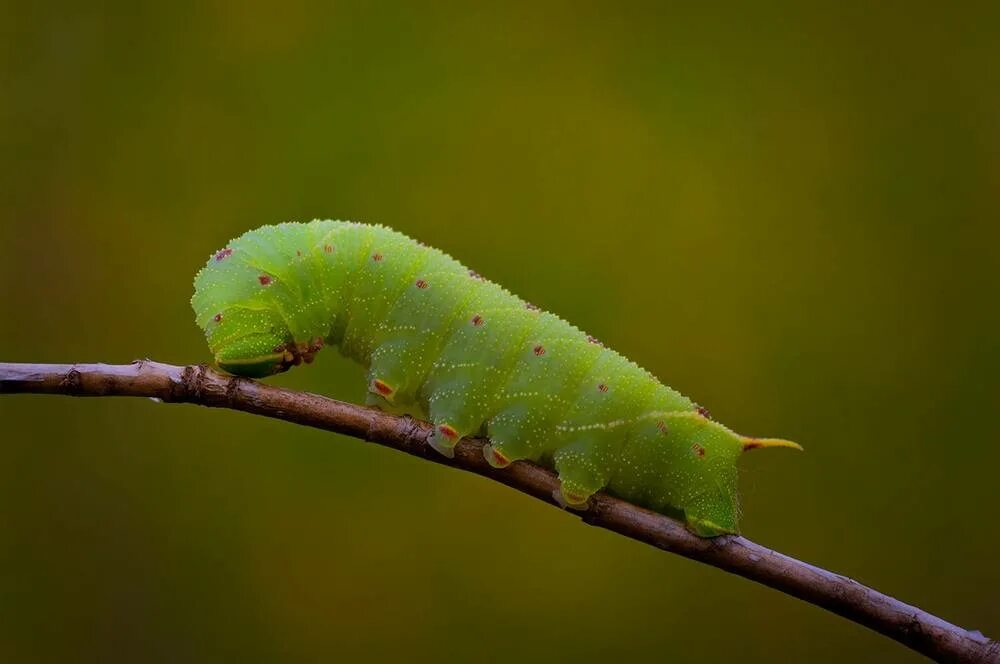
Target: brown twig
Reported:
[(917, 629)]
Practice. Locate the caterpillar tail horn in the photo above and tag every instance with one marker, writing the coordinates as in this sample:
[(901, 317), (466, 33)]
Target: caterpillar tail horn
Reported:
[(756, 443)]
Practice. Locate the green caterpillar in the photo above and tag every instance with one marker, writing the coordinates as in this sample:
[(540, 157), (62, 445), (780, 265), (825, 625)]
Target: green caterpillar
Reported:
[(446, 345)]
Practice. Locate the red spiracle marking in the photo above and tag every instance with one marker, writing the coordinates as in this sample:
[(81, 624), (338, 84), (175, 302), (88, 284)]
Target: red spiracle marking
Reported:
[(328, 248), (264, 280), (448, 432), (377, 257), (602, 387), (662, 426), (704, 412), (539, 349), (223, 254), (217, 318), (698, 450), (477, 320), (421, 284)]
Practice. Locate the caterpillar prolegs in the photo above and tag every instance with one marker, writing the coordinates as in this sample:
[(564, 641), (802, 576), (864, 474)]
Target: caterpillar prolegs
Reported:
[(446, 345)]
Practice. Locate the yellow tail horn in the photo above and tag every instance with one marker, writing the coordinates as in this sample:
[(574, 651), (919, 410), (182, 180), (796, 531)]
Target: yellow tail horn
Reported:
[(755, 443)]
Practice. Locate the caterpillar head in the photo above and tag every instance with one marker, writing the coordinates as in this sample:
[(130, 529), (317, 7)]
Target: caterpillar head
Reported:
[(249, 342), (261, 354), (246, 334)]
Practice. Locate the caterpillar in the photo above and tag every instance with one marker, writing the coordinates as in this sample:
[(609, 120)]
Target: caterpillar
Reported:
[(444, 344)]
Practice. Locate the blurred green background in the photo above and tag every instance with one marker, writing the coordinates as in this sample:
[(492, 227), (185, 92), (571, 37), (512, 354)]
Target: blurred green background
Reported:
[(789, 212)]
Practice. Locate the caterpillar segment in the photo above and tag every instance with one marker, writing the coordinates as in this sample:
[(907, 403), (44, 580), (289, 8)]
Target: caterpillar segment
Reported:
[(443, 344)]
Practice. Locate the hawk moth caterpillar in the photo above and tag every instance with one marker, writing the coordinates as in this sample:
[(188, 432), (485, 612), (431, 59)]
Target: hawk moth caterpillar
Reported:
[(445, 345)]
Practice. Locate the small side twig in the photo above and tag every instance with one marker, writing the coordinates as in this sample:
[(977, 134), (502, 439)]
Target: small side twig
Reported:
[(909, 625)]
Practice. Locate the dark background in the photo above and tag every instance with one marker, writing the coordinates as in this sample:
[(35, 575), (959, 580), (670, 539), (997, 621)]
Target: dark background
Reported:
[(788, 212)]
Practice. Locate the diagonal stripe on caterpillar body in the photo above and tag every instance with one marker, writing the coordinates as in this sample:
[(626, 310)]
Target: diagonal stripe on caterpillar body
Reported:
[(446, 345)]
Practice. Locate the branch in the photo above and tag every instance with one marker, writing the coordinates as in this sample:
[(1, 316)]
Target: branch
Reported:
[(917, 629)]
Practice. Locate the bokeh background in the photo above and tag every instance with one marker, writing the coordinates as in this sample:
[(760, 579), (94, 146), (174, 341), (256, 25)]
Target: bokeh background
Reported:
[(787, 211)]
